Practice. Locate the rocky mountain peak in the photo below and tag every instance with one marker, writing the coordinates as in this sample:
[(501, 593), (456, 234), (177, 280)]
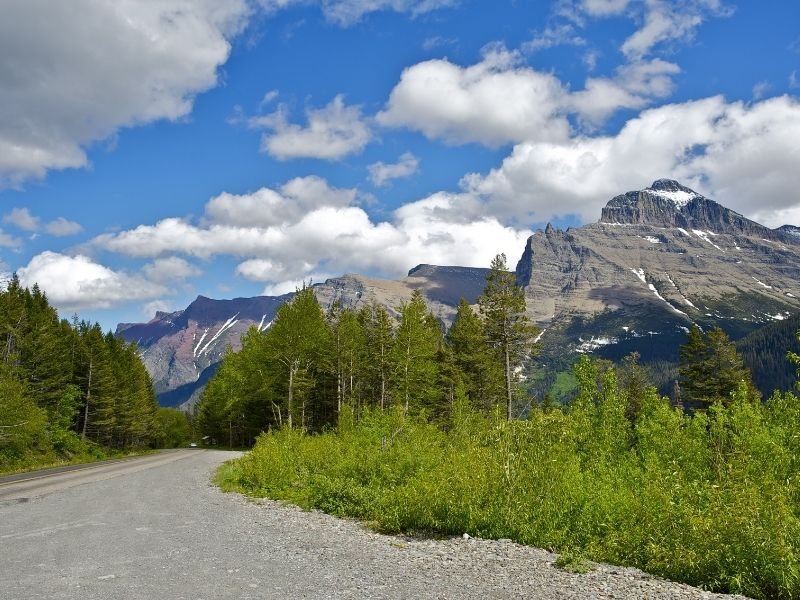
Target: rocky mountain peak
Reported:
[(669, 204)]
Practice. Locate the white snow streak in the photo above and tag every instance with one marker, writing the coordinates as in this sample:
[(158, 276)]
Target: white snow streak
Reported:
[(640, 274), (194, 352), (769, 287), (228, 324), (703, 235)]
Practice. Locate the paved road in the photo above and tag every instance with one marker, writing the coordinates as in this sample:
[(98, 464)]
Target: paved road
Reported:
[(155, 528)]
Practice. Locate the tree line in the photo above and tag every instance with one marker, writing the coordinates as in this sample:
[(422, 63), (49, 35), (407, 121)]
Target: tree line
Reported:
[(309, 364), (68, 389)]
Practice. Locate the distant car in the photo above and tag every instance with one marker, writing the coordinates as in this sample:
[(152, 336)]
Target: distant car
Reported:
[(193, 445)]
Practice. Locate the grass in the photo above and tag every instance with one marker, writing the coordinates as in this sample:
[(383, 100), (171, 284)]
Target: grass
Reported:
[(711, 500)]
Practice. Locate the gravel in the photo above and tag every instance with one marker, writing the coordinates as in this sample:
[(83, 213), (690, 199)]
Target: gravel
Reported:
[(168, 533)]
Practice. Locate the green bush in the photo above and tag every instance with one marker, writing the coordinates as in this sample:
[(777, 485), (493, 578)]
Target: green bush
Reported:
[(710, 499)]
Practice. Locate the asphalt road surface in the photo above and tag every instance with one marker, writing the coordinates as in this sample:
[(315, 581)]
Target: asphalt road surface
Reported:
[(155, 528)]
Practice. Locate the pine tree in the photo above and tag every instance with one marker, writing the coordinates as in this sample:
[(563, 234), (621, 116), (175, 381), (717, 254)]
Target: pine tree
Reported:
[(414, 370), (299, 339), (711, 368), (480, 368), (508, 329), (379, 333)]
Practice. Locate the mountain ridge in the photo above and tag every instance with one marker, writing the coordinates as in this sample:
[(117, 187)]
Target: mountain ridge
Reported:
[(657, 261)]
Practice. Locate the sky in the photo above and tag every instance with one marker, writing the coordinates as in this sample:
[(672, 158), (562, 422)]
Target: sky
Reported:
[(154, 151)]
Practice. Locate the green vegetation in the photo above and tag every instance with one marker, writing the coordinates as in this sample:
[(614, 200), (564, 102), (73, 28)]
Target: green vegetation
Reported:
[(68, 393), (710, 499), (308, 365), (408, 430)]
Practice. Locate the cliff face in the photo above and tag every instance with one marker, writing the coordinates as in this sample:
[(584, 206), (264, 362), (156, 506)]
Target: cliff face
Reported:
[(667, 203), (659, 260)]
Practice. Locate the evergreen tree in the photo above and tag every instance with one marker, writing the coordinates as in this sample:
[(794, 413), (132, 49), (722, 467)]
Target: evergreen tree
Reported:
[(299, 340), (481, 371), (711, 368), (414, 370), (508, 329), (379, 333)]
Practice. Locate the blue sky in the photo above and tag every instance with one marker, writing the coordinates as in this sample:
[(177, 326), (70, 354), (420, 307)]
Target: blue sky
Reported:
[(151, 152)]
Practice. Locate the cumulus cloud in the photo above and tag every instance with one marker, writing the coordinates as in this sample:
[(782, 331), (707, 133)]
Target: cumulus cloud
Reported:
[(492, 102), (266, 206), (62, 227), (742, 155), (634, 86), (9, 241), (500, 100), (21, 218), (171, 269), (77, 282), (332, 132), (382, 173), (142, 61), (282, 245)]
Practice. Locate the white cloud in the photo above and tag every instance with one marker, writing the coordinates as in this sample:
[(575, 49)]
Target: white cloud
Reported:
[(382, 173), (266, 207), (668, 21), (149, 309), (499, 100), (76, 72), (332, 132), (170, 270), (330, 236), (760, 89), (77, 282), (554, 35), (492, 102), (633, 86), (62, 227), (349, 12), (604, 8), (9, 241), (21, 218), (744, 156)]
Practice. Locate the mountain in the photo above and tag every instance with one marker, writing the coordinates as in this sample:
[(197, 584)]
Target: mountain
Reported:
[(181, 350), (657, 261)]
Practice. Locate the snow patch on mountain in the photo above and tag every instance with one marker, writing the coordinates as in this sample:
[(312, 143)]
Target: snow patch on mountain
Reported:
[(594, 343), (227, 325), (761, 283), (703, 235), (679, 198)]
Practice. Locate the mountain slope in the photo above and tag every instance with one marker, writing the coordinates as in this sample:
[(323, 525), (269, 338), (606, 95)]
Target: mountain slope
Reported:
[(181, 349), (659, 260)]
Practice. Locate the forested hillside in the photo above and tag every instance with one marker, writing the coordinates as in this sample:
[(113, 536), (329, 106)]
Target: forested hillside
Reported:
[(67, 390), (414, 429), (307, 365)]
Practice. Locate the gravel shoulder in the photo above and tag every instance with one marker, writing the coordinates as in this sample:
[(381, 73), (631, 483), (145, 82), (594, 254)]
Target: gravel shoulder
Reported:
[(167, 532)]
